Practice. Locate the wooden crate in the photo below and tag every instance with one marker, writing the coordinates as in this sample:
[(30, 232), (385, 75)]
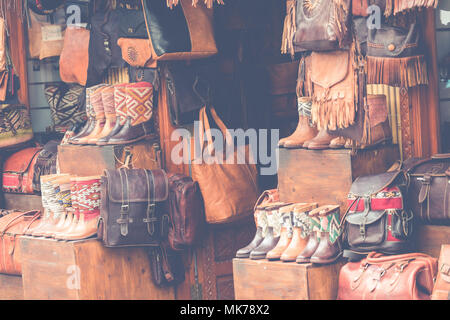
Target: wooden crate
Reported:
[(11, 287), (25, 202), (325, 176), (430, 238), (86, 270), (93, 160), (276, 280)]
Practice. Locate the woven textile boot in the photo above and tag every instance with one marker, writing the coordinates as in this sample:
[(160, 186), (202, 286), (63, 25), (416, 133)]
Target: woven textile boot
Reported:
[(75, 212), (286, 214), (120, 105), (110, 114), (300, 231), (329, 249), (139, 101), (313, 224), (89, 209)]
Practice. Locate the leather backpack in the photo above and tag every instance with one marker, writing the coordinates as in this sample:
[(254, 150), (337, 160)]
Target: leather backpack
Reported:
[(429, 188), (132, 211), (377, 218), (18, 171), (187, 215)]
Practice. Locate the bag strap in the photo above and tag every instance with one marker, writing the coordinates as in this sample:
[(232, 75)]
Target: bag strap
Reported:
[(151, 218), (125, 207)]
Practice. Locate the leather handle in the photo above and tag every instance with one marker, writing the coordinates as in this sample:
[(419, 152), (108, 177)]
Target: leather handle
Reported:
[(376, 258)]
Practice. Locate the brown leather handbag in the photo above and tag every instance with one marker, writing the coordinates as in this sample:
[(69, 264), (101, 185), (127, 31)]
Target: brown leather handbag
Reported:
[(398, 277), (18, 171), (429, 188), (187, 214), (441, 290), (12, 226), (74, 59), (229, 190), (132, 211)]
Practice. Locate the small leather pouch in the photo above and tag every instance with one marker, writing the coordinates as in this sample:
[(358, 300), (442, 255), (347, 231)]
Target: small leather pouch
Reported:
[(136, 52)]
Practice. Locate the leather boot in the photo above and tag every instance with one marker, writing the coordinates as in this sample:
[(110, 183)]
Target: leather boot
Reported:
[(286, 214), (273, 231), (120, 106), (300, 231), (321, 141), (110, 114), (329, 249), (89, 209), (313, 242), (303, 133), (139, 124), (338, 143)]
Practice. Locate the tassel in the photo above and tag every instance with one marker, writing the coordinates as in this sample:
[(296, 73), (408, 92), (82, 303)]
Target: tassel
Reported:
[(394, 7), (397, 72), (289, 30)]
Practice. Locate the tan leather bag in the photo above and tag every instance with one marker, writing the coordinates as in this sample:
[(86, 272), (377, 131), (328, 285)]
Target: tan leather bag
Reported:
[(441, 290), (44, 39), (229, 190), (136, 52), (74, 60)]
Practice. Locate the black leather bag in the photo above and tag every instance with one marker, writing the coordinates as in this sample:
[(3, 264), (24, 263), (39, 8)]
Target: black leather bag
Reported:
[(133, 207), (167, 266), (132, 24)]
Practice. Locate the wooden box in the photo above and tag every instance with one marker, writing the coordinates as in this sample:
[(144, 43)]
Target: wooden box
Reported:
[(276, 280), (86, 270), (11, 287), (93, 160), (325, 176)]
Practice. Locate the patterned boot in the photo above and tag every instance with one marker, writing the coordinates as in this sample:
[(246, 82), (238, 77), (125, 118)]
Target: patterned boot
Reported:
[(89, 209), (286, 234), (110, 114), (139, 114), (75, 212), (329, 249), (312, 223)]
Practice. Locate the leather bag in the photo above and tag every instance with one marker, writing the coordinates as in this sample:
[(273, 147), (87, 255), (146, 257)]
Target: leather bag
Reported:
[(132, 24), (15, 126), (376, 218), (378, 277), (12, 226), (45, 163), (321, 25), (429, 188), (187, 215), (180, 33), (74, 59), (18, 171), (441, 289), (132, 211), (167, 266), (229, 190), (136, 52)]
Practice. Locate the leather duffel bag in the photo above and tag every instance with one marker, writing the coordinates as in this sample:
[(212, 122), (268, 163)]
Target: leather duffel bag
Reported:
[(132, 211), (398, 277), (12, 226), (18, 171), (429, 188)]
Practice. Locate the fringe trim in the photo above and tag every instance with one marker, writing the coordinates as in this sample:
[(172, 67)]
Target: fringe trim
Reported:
[(332, 113), (289, 30), (398, 72), (341, 13), (397, 6)]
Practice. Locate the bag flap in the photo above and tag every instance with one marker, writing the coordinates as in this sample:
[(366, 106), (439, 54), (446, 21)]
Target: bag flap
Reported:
[(363, 218), (20, 161), (392, 41), (137, 185), (329, 68), (369, 185)]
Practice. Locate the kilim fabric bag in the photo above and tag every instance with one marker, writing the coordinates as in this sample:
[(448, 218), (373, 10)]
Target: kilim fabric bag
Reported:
[(15, 126)]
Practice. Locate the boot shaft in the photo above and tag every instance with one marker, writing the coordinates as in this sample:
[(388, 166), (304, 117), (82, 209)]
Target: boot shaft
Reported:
[(120, 102), (139, 101), (88, 196)]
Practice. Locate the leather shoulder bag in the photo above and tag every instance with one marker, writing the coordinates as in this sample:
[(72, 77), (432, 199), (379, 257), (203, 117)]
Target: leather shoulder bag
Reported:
[(441, 290), (18, 171), (132, 207), (376, 219), (397, 277), (429, 188)]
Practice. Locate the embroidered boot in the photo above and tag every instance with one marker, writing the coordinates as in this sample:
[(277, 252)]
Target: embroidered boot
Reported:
[(89, 209), (329, 249), (313, 225), (286, 234), (300, 231), (305, 130), (110, 114), (139, 124), (120, 106), (71, 225)]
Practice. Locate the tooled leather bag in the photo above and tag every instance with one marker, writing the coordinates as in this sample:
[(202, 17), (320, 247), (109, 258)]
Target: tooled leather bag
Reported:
[(12, 226), (429, 188), (441, 290), (132, 211), (187, 214), (378, 277), (376, 218), (18, 171)]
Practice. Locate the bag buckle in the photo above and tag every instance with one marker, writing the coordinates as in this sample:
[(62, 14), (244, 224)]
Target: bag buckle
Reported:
[(124, 219), (150, 220)]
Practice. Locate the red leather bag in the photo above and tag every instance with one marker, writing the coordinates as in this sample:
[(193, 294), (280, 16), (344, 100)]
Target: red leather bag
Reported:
[(18, 171), (12, 226), (397, 277)]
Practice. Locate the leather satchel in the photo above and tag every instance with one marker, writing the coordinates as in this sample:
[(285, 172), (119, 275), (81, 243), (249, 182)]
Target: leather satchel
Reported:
[(377, 218), (429, 188), (179, 33), (441, 290), (18, 171), (132, 211), (187, 214), (15, 126), (74, 59), (12, 226), (378, 277)]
